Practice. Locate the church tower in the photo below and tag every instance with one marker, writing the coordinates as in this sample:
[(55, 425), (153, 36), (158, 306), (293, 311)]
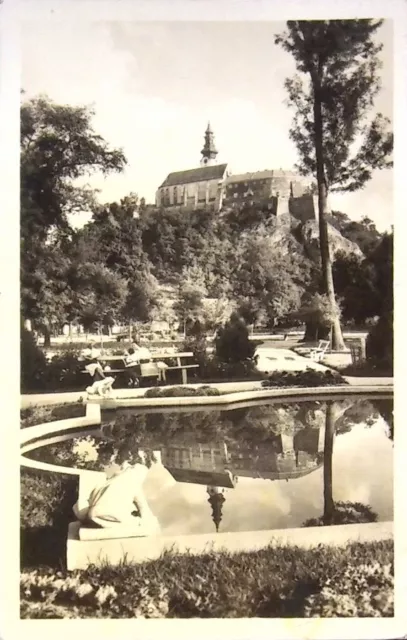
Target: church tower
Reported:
[(216, 500), (208, 152)]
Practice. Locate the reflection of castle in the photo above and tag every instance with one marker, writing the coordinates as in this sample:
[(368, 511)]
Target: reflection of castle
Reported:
[(285, 456), (198, 464), (200, 456), (216, 500)]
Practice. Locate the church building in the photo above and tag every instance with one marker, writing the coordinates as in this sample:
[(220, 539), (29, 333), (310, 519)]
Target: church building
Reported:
[(200, 188), (211, 186)]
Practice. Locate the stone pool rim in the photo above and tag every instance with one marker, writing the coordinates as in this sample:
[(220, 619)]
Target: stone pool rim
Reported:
[(80, 554), (93, 414)]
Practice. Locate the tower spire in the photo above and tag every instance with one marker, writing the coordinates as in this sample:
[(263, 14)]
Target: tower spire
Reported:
[(216, 500), (209, 151)]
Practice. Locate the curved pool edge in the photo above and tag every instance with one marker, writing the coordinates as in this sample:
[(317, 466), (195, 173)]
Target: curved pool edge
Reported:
[(240, 396), (81, 553), (93, 412), (49, 399)]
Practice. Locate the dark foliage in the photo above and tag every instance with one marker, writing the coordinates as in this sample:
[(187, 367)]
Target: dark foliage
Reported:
[(309, 378), (46, 510), (177, 392), (379, 344), (232, 344)]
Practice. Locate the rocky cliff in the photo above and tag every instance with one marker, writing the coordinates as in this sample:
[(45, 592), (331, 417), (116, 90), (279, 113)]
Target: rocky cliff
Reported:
[(292, 236), (308, 234)]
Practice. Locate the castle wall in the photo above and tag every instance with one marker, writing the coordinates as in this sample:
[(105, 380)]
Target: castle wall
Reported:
[(190, 196), (302, 208)]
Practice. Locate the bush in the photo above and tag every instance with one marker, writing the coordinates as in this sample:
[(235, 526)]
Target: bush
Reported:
[(62, 373), (308, 378), (45, 512), (33, 363), (179, 392), (379, 344), (280, 582), (232, 344)]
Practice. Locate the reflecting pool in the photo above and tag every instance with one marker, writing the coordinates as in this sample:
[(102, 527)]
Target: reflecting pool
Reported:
[(262, 466)]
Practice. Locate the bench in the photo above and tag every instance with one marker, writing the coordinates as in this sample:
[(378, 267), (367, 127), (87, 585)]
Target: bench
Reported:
[(150, 368)]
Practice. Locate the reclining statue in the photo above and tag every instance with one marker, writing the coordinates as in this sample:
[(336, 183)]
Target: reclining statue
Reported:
[(119, 501), (101, 387)]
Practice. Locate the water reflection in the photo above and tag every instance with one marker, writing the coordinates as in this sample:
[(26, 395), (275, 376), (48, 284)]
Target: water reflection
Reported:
[(269, 466)]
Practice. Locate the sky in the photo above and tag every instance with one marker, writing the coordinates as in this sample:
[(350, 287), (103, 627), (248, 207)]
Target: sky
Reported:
[(155, 85)]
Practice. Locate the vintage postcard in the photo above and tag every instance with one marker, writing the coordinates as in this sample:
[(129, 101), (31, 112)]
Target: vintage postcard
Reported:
[(198, 292)]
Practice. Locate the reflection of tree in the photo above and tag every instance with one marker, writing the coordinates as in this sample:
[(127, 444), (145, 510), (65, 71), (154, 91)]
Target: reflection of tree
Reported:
[(339, 512), (345, 513), (328, 451), (385, 407), (359, 411)]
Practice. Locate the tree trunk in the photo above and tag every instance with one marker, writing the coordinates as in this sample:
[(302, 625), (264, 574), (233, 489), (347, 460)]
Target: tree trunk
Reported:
[(326, 264), (47, 336), (315, 332), (329, 506)]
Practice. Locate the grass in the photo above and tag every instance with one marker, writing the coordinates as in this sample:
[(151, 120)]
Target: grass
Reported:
[(273, 582)]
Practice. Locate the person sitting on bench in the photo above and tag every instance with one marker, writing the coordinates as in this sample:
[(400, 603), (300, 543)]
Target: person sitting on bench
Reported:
[(132, 362)]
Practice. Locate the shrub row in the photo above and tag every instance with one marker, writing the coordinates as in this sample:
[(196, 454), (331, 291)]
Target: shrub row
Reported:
[(308, 378), (177, 392)]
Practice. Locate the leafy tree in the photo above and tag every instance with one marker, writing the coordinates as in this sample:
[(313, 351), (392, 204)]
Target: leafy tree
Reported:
[(99, 295), (46, 293), (113, 238), (354, 280), (58, 147), (335, 140), (316, 311), (382, 261), (267, 286), (363, 232), (191, 292)]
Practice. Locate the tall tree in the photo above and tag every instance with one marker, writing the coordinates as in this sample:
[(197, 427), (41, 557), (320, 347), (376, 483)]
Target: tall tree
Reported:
[(58, 147), (336, 141)]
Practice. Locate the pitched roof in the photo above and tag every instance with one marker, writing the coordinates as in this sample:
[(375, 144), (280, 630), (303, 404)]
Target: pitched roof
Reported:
[(261, 175), (200, 174)]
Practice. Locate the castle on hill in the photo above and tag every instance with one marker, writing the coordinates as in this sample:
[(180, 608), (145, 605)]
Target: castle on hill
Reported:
[(211, 186)]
